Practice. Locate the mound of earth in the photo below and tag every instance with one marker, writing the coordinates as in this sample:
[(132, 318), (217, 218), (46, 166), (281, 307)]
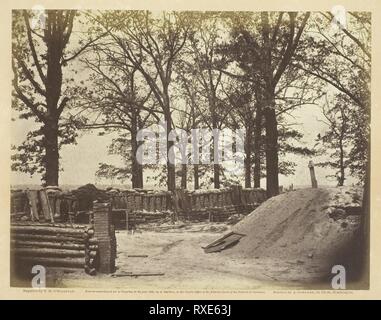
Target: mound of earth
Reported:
[(304, 225)]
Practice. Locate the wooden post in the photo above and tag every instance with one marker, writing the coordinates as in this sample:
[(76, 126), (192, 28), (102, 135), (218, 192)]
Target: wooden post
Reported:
[(236, 194), (33, 202), (127, 221), (312, 173), (197, 204), (54, 204), (105, 234)]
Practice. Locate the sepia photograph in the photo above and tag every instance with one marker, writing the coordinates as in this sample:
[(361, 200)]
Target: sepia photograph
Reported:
[(190, 150)]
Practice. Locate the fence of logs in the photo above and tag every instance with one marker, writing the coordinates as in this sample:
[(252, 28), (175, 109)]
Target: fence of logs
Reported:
[(131, 207), (139, 206)]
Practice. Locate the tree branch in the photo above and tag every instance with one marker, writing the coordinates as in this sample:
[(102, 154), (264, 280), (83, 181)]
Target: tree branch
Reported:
[(32, 47)]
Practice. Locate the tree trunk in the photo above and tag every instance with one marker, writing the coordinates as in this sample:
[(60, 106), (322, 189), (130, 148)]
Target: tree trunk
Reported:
[(342, 168), (51, 154), (184, 176), (257, 147), (216, 158), (248, 156), (364, 247), (216, 177), (53, 93), (137, 168), (196, 178), (171, 171), (272, 170)]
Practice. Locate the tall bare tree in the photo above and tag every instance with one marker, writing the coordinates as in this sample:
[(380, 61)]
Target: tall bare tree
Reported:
[(340, 58), (39, 57), (152, 44), (203, 50), (117, 100), (264, 45)]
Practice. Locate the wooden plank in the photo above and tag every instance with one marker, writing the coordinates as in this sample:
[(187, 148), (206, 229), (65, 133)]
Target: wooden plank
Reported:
[(140, 274), (137, 256), (223, 238)]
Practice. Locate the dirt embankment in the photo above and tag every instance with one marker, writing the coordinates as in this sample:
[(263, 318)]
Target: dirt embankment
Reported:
[(314, 227)]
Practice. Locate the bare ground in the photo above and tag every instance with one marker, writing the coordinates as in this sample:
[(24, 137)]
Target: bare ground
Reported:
[(176, 256)]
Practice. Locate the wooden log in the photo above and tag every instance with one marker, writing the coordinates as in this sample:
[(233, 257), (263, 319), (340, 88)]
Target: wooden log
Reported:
[(197, 202), (51, 252), (138, 202), (137, 256), (163, 202), (49, 230), (48, 252), (48, 224), (152, 202), (209, 200), (58, 238), (90, 270), (312, 174), (129, 202), (33, 203), (57, 245), (141, 274), (17, 214), (57, 211), (158, 203), (219, 201), (229, 197), (87, 256), (124, 201), (144, 202), (46, 206), (127, 220), (57, 262), (19, 202)]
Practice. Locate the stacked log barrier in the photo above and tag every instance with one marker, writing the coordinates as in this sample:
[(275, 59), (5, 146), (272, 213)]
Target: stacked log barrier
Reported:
[(131, 207), (139, 206), (53, 205), (144, 206), (54, 244), (124, 219), (219, 204)]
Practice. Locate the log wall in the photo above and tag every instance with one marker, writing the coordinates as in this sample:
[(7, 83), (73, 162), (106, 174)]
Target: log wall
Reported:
[(131, 207), (90, 246), (54, 244)]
